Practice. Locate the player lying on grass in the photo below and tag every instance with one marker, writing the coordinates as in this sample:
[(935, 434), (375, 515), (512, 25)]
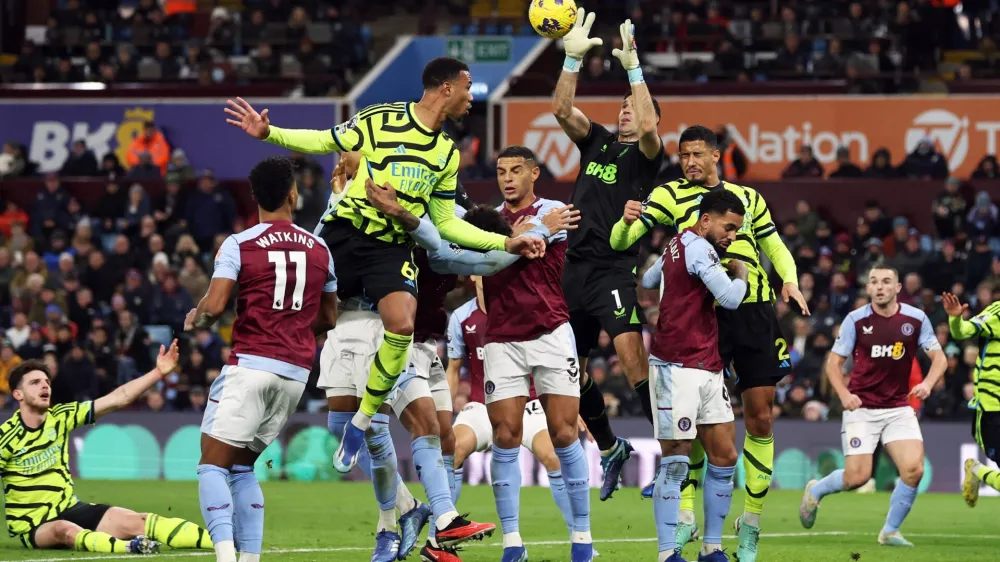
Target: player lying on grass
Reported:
[(41, 507), (883, 338), (986, 401)]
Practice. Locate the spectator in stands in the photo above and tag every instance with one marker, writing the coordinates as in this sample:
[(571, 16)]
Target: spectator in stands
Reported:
[(925, 162), (180, 166), (137, 207), (910, 258), (266, 63), (806, 221), (988, 169), (193, 278), (792, 57), (941, 271), (126, 65), (846, 168), (900, 234), (733, 163), (833, 63), (170, 68), (210, 211), (12, 161), (805, 166), (153, 143), (881, 166), (138, 296), (879, 223), (65, 72), (99, 277), (979, 261), (111, 167), (196, 399), (83, 240), (8, 360), (19, 331), (11, 214), (949, 210), (81, 161), (49, 211), (93, 59), (111, 206), (983, 218), (171, 303)]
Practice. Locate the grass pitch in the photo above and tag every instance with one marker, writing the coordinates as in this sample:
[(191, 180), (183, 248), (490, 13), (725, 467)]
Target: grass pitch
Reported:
[(308, 522)]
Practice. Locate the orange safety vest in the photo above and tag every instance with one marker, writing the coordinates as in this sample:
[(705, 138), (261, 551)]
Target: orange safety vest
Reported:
[(728, 166), (172, 7)]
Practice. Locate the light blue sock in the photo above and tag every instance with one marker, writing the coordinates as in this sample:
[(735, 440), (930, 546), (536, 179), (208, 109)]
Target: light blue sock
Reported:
[(216, 502), (718, 497), (558, 488), (667, 499), (449, 467), (830, 484), (430, 469), (899, 506), (506, 473), (382, 463), (248, 505), (336, 422), (577, 476), (459, 478)]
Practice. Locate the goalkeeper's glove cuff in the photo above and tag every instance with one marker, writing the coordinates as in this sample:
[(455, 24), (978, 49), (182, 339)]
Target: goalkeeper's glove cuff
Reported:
[(635, 76), (571, 64)]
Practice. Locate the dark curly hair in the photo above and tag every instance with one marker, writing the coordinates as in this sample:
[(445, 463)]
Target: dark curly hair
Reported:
[(489, 219)]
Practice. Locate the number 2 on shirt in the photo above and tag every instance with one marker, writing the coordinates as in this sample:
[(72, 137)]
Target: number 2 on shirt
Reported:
[(281, 278)]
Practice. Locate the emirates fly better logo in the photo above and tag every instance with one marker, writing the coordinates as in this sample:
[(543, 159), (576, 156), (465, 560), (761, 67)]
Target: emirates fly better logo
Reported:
[(949, 132)]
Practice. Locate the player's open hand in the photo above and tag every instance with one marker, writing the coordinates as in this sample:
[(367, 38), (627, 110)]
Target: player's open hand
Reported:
[(952, 305), (167, 360), (382, 197), (921, 391), (245, 117), (633, 210), (521, 226), (850, 402), (527, 246), (791, 291), (628, 55), (338, 181), (578, 41), (563, 218), (189, 319)]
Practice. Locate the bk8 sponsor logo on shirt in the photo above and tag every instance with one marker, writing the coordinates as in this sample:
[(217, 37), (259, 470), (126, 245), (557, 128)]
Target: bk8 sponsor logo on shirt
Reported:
[(896, 351)]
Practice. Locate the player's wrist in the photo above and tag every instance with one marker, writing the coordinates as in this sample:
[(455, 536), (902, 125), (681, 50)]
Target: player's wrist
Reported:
[(572, 63), (635, 76)]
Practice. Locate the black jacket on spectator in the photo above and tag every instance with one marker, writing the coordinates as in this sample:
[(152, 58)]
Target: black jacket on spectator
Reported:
[(209, 214), (49, 207), (977, 266), (939, 274), (110, 208), (931, 165), (135, 344), (101, 281), (170, 309), (140, 301), (80, 377), (800, 169), (847, 170), (80, 165)]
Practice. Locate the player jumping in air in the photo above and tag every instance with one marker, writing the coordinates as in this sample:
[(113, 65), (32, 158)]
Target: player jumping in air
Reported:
[(986, 401), (883, 338), (599, 282), (528, 335), (42, 509), (686, 380), (287, 289), (402, 144), (750, 338)]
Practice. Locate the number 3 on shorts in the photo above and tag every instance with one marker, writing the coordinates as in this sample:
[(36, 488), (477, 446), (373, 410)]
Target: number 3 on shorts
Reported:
[(409, 271), (782, 346)]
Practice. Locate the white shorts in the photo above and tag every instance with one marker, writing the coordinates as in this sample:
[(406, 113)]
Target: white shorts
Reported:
[(685, 398), (248, 408), (424, 377), (863, 428), (550, 360), (348, 353), (476, 418)]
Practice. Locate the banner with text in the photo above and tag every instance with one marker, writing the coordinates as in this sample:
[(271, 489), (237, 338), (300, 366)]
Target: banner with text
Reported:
[(129, 445), (49, 128), (770, 130)]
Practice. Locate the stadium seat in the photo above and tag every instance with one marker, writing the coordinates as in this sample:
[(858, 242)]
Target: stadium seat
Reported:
[(160, 334)]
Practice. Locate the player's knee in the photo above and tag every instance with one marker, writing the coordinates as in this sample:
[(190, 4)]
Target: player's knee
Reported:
[(724, 457), (65, 532), (506, 437), (399, 324), (912, 475), (856, 478), (564, 435), (758, 422)]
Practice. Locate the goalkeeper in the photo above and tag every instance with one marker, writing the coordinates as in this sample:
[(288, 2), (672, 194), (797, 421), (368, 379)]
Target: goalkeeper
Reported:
[(401, 144)]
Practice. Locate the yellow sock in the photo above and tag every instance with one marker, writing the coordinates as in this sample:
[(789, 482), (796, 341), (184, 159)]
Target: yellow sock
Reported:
[(758, 462), (176, 533), (93, 541), (989, 476), (696, 471), (388, 365)]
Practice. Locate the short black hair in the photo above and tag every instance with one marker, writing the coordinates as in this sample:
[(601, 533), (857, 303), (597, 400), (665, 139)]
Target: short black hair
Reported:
[(23, 368), (656, 106), (271, 181), (517, 151), (441, 70), (489, 219), (699, 133), (720, 202)]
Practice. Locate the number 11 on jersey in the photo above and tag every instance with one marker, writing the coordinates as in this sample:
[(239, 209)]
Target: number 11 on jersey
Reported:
[(281, 278)]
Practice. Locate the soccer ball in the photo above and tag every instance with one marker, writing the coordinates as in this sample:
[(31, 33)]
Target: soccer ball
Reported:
[(552, 18)]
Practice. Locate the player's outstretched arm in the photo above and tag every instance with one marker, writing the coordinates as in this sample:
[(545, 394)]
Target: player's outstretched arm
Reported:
[(129, 392), (959, 327), (640, 218), (576, 43), (650, 143), (654, 275), (243, 116), (774, 248)]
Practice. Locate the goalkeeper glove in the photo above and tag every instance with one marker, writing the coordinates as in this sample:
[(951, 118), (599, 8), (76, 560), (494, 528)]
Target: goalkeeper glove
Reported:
[(577, 42), (628, 55)]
